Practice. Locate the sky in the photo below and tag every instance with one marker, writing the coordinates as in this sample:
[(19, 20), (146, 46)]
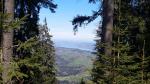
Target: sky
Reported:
[(60, 24)]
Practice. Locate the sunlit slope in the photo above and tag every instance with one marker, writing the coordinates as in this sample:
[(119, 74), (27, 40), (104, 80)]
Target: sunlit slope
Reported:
[(73, 64)]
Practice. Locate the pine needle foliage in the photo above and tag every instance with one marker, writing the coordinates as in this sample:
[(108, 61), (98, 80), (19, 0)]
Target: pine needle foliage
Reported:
[(129, 61)]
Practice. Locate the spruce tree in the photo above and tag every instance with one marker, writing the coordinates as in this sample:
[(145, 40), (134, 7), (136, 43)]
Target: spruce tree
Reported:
[(27, 37), (48, 60), (27, 58), (129, 61)]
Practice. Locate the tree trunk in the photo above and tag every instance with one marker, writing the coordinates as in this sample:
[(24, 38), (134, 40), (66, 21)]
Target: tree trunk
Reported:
[(1, 6), (7, 42), (107, 25)]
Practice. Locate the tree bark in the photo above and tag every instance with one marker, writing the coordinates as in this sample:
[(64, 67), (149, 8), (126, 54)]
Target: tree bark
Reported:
[(1, 29), (107, 25), (7, 41)]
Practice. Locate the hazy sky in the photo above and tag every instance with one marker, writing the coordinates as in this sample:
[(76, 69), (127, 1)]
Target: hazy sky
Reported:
[(60, 22)]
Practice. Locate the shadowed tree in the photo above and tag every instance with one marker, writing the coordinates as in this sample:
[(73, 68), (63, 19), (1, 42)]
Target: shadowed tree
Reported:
[(21, 38), (27, 31), (104, 31), (127, 57)]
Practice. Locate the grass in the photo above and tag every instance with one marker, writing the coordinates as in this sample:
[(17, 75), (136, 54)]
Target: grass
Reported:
[(74, 78)]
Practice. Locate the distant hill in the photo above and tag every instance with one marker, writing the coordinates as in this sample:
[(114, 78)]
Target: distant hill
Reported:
[(89, 46), (73, 64)]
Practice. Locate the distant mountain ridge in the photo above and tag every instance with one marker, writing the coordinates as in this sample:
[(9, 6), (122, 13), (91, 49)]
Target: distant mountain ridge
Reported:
[(82, 45)]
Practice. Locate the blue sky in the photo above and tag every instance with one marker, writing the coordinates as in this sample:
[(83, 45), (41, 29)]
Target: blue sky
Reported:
[(60, 22)]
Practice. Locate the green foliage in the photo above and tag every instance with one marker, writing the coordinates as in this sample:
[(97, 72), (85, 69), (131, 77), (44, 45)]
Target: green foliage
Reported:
[(37, 65), (14, 24), (33, 54), (130, 58), (14, 69), (82, 81), (130, 52)]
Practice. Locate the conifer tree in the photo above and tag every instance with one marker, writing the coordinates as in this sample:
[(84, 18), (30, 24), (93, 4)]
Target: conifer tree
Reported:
[(129, 61), (25, 64), (27, 37), (48, 73), (104, 33)]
